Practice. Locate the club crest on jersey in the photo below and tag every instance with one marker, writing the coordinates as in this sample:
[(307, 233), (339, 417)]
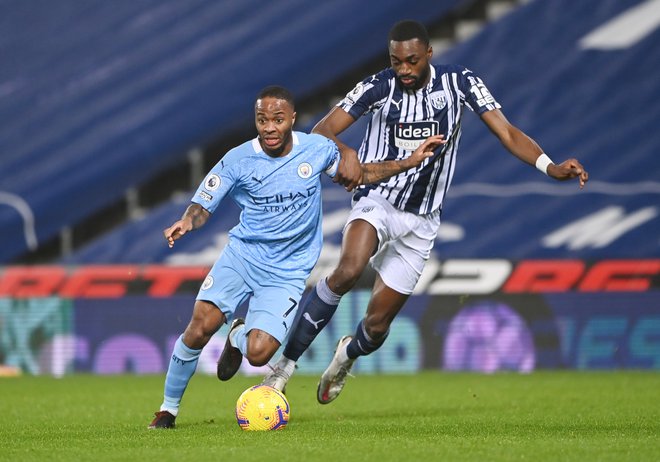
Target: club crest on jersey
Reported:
[(304, 170), (212, 182), (208, 283), (410, 135), (438, 99)]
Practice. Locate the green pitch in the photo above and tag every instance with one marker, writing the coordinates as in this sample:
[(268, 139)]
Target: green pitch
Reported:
[(432, 416)]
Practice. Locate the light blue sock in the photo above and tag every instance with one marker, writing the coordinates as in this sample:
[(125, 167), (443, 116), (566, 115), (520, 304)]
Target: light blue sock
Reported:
[(239, 339), (182, 367)]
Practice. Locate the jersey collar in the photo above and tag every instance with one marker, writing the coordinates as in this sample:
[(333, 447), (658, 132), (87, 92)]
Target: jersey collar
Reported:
[(257, 147), (429, 86)]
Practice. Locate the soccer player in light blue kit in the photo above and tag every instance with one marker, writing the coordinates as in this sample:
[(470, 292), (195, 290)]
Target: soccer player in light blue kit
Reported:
[(275, 179)]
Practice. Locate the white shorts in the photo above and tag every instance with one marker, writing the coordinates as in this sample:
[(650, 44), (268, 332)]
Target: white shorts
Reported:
[(405, 240)]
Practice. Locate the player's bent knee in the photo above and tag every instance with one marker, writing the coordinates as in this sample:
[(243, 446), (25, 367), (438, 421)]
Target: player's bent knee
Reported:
[(195, 336), (261, 347), (344, 278), (259, 358), (205, 321)]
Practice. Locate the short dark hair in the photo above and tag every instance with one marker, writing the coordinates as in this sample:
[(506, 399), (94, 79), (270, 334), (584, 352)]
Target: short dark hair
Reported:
[(277, 91), (408, 30)]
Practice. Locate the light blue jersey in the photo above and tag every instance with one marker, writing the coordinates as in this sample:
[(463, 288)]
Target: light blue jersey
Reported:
[(280, 198), (270, 252)]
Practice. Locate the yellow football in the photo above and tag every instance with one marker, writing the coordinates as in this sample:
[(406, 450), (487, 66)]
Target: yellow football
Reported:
[(261, 408)]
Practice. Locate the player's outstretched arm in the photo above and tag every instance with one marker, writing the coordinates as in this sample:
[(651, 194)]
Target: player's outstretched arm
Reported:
[(194, 217), (335, 122), (378, 171), (527, 150)]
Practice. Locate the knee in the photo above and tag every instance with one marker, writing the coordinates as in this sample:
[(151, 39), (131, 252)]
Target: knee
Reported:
[(260, 348), (258, 356), (203, 324), (344, 277), (195, 335)]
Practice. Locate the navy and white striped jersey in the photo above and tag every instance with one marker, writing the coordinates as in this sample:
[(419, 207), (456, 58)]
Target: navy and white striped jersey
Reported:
[(402, 119)]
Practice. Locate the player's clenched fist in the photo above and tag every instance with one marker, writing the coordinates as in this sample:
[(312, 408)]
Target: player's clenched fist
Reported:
[(568, 170), (177, 230)]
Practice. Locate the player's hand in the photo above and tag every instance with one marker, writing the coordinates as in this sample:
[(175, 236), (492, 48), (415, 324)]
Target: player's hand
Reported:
[(568, 170), (424, 151), (176, 231), (349, 172)]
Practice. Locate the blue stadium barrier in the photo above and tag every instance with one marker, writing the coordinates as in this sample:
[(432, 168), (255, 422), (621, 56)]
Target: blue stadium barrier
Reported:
[(588, 103), (97, 97)]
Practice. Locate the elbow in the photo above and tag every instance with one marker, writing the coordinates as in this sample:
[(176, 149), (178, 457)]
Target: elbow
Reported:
[(320, 129), (507, 138), (512, 137)]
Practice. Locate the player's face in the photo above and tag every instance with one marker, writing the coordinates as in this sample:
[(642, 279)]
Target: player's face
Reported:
[(274, 119), (410, 61)]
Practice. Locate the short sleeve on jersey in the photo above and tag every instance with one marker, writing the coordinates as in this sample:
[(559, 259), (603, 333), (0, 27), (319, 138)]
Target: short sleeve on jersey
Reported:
[(367, 95), (214, 188), (477, 96), (333, 159)]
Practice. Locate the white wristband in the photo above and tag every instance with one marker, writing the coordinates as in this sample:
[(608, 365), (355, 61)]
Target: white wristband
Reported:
[(542, 163)]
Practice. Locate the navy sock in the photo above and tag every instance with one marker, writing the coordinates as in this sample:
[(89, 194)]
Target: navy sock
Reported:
[(316, 313), (362, 344)]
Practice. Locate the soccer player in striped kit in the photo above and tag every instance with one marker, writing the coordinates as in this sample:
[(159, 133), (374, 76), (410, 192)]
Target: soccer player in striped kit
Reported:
[(393, 224)]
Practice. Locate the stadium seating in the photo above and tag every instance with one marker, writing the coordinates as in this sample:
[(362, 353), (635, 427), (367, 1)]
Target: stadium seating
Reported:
[(589, 103), (101, 96)]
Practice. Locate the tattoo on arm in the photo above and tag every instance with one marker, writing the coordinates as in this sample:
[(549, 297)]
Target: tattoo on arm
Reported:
[(378, 171), (197, 214)]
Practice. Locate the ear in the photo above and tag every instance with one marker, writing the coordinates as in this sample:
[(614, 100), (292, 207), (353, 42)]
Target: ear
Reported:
[(429, 52), (293, 118)]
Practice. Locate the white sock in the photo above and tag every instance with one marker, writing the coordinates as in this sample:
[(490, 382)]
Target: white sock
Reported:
[(238, 339), (288, 366), (172, 410), (233, 339)]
